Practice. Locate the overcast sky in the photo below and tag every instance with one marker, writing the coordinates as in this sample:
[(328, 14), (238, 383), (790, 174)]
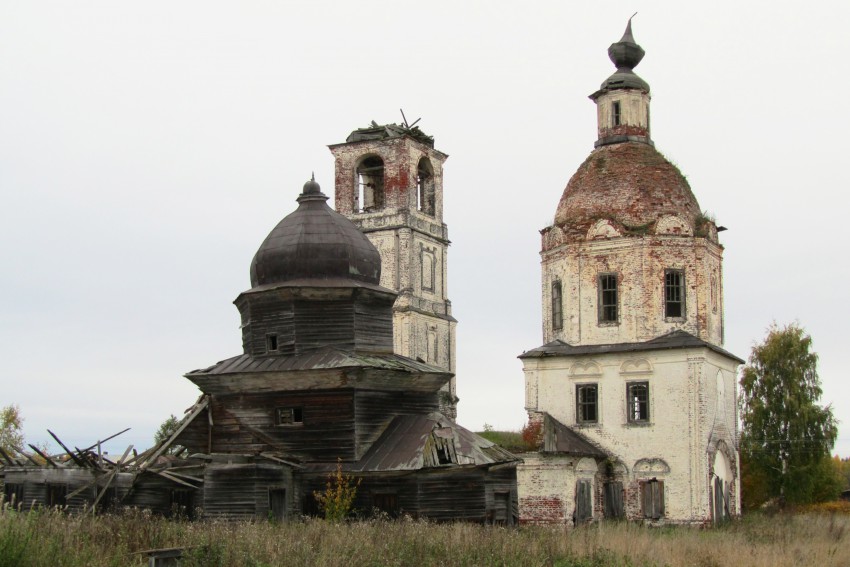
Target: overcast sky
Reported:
[(147, 148)]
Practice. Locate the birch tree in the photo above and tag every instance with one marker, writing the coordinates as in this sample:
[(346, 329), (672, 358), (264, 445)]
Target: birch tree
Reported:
[(786, 437)]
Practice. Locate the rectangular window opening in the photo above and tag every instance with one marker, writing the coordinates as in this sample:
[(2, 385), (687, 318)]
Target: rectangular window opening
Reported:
[(652, 498), (613, 500), (277, 503), (289, 416), (586, 403), (617, 117), (56, 495), (386, 503), (271, 343), (608, 300), (557, 306), (637, 401), (674, 293), (584, 501)]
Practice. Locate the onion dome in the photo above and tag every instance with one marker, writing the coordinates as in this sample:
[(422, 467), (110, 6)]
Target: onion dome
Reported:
[(625, 55), (630, 183), (315, 243)]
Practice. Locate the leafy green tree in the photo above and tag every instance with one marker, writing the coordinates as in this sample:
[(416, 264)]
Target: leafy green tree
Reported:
[(166, 430), (786, 437), (11, 428)]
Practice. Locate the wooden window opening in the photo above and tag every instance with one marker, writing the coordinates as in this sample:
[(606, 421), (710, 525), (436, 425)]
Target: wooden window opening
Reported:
[(271, 343), (587, 403), (277, 503), (674, 294), (613, 500), (616, 117), (557, 306), (637, 402), (584, 501), (652, 498), (386, 503), (608, 300), (289, 416)]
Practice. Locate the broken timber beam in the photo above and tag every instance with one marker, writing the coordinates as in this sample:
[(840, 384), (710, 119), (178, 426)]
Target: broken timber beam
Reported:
[(43, 456), (67, 450)]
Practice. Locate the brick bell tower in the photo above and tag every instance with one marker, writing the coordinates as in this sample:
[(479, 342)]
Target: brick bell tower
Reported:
[(389, 182)]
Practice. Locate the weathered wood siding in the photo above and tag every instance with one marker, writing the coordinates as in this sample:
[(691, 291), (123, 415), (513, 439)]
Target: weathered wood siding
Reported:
[(155, 493), (343, 318), (196, 436), (241, 491), (374, 410), (246, 424), (37, 483), (501, 483), (453, 494), (441, 494)]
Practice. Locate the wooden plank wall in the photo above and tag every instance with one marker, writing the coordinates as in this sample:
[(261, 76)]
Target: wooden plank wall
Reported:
[(374, 410), (241, 491), (327, 431), (373, 325), (448, 495)]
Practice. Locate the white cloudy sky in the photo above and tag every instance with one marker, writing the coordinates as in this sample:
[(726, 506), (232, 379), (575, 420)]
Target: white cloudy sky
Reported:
[(147, 148)]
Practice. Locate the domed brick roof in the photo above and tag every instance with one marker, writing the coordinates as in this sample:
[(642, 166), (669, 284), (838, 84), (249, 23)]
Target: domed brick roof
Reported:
[(630, 183), (315, 243)]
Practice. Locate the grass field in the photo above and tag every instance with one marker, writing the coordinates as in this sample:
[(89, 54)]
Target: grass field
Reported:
[(56, 539)]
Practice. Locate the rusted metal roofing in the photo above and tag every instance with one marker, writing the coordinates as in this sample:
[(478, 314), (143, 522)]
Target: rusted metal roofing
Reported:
[(559, 438), (672, 340), (323, 358), (404, 446)]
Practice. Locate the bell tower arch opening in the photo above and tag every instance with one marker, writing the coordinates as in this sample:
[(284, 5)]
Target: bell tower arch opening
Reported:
[(370, 184), (425, 194)]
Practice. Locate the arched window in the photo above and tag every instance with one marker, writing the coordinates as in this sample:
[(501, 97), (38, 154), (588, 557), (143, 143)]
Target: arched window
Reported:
[(425, 197), (370, 185), (557, 306)]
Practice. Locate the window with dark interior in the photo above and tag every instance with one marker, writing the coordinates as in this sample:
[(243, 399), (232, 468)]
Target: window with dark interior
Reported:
[(674, 293), (557, 306), (616, 118), (14, 493), (608, 298), (652, 498), (289, 416), (637, 401), (370, 185), (271, 343), (386, 503), (56, 495), (586, 403)]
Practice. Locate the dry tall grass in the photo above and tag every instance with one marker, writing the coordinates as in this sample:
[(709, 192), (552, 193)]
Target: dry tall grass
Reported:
[(53, 538)]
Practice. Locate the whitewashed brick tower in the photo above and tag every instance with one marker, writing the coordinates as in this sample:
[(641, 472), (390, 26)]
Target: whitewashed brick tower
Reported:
[(632, 361), (389, 182)]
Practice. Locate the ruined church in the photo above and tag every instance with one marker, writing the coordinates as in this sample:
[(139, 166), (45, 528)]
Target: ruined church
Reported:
[(632, 392), (348, 356)]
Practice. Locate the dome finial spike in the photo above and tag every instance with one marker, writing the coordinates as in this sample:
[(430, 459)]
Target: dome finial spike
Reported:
[(627, 35), (312, 176)]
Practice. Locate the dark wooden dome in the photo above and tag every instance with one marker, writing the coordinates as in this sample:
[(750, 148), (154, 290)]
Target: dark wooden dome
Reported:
[(315, 243)]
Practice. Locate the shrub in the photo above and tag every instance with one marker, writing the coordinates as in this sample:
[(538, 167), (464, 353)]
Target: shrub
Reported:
[(337, 499)]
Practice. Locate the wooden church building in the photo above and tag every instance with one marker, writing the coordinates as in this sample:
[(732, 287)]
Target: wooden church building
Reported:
[(318, 386)]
